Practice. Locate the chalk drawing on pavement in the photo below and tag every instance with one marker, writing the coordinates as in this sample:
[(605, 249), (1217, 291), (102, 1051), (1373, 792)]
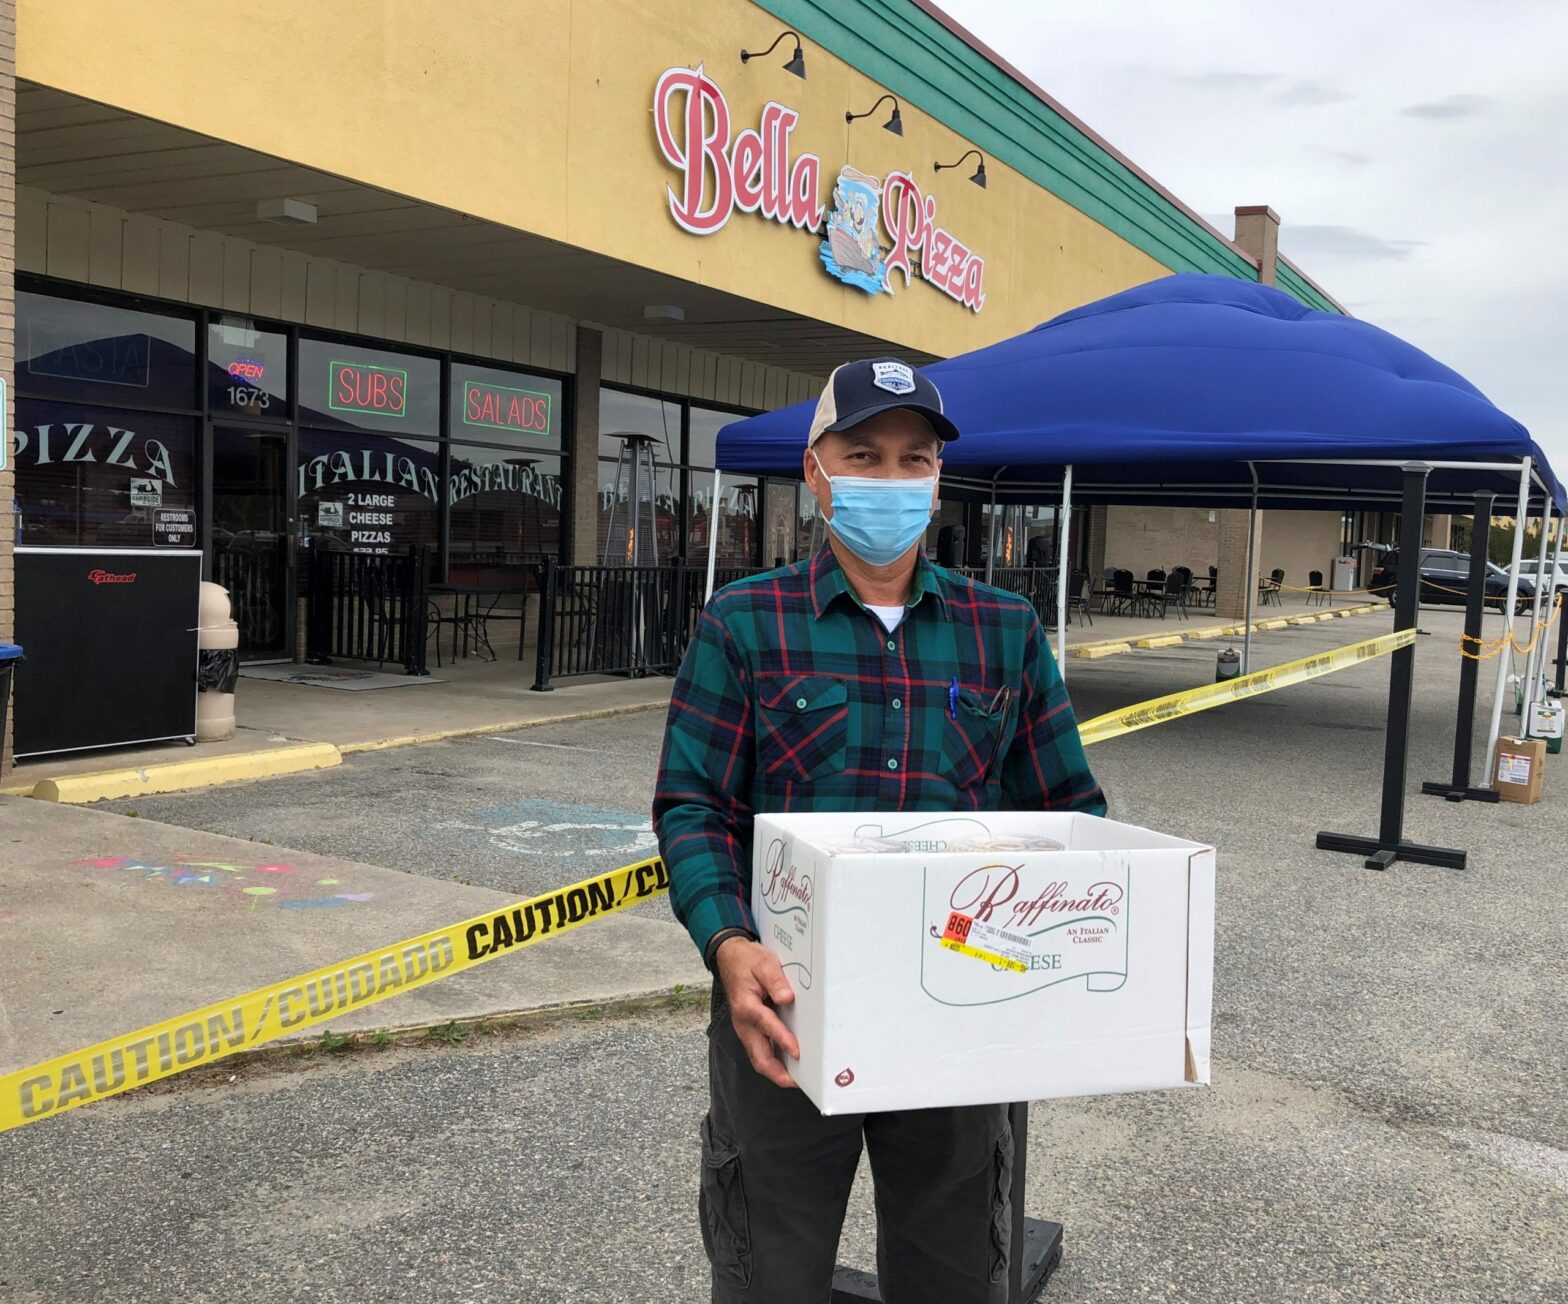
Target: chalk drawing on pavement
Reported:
[(534, 826), (278, 889)]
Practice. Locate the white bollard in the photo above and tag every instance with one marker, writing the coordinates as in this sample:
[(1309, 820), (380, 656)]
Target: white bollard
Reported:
[(218, 642)]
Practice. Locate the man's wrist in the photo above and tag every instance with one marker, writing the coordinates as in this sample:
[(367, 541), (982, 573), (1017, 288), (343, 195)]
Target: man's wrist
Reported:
[(710, 954)]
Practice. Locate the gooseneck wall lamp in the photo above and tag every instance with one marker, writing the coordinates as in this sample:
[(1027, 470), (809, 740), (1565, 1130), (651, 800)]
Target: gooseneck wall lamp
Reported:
[(895, 123), (797, 62), (979, 174)]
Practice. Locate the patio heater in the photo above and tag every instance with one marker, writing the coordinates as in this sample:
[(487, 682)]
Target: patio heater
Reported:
[(627, 623)]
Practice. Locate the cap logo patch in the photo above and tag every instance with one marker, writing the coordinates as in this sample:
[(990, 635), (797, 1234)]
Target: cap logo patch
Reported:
[(895, 377)]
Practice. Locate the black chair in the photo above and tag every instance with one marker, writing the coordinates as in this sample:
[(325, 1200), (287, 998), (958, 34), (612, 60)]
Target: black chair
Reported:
[(1077, 599), (1125, 598), (1106, 590), (1174, 594), (1269, 590), (1209, 594), (1316, 593)]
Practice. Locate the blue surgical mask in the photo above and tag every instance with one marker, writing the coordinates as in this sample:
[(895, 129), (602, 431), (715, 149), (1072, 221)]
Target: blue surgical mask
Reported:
[(879, 520)]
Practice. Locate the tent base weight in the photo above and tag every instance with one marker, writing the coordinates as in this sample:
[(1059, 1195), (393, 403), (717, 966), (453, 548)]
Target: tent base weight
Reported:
[(1381, 856), (1042, 1254), (1458, 792)]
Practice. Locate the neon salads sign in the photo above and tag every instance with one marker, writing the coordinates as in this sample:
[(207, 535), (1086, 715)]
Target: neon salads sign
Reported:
[(756, 170)]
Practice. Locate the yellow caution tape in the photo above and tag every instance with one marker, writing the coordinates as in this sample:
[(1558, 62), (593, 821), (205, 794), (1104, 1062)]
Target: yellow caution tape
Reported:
[(1192, 700), (188, 1041), (199, 1037)]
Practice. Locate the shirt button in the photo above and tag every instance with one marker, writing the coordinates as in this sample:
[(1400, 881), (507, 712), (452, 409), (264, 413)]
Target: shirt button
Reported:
[(891, 763), (897, 703), (800, 703), (892, 646)]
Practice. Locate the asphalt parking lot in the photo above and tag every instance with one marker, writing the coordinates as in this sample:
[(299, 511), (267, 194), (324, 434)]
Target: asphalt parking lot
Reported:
[(1388, 1119)]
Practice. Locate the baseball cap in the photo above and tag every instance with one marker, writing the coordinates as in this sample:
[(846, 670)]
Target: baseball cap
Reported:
[(859, 390)]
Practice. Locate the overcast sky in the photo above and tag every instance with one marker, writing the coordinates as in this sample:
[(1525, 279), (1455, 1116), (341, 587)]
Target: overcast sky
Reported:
[(1416, 152)]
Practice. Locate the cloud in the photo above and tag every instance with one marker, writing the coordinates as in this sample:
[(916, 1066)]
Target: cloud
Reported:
[(1308, 95), (1451, 108), (1308, 241), (1225, 81), (1349, 157)]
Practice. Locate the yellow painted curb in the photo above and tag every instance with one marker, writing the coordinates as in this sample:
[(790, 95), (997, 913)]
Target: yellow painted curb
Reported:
[(1160, 640), (1211, 631), (75, 789), (1094, 651), (1301, 620)]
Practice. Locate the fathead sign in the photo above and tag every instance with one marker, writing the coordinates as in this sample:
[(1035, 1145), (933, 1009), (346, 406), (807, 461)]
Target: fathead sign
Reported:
[(362, 387), (874, 228)]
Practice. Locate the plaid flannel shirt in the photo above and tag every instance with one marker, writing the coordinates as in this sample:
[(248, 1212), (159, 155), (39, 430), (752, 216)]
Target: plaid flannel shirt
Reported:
[(793, 697)]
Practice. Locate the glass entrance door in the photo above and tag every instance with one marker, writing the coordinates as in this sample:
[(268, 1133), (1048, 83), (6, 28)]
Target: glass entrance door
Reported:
[(252, 529)]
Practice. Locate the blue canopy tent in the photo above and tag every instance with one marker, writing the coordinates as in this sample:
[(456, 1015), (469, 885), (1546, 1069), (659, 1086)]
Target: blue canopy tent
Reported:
[(1208, 391)]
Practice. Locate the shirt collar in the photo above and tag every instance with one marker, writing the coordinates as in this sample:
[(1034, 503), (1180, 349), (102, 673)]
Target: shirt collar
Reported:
[(829, 583)]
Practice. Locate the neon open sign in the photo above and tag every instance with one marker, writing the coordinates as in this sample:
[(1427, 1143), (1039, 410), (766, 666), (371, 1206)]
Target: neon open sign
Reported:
[(497, 407), (362, 387)]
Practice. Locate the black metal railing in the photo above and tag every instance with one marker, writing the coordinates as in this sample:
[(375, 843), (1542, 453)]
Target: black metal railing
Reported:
[(256, 579), (618, 620), (1036, 583), (369, 607)]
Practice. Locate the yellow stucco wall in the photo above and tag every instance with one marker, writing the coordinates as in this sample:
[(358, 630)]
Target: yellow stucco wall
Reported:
[(537, 114)]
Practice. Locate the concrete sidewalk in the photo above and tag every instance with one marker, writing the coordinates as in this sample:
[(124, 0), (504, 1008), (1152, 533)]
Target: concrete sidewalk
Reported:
[(109, 923)]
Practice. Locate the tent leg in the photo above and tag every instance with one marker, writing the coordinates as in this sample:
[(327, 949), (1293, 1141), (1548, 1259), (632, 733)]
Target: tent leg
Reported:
[(1534, 662), (1250, 581), (1389, 845), (713, 535), (1061, 572), (1562, 653), (1495, 729), (1459, 788)]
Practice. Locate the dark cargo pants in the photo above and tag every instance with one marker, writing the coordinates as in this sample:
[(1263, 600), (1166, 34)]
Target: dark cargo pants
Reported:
[(776, 1177)]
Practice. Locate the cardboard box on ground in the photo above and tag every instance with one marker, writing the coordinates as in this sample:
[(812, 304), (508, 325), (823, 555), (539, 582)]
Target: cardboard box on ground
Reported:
[(1521, 765), (929, 975)]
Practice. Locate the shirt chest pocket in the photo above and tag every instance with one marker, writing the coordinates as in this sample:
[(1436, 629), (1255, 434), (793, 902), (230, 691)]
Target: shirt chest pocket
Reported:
[(972, 736), (802, 726)]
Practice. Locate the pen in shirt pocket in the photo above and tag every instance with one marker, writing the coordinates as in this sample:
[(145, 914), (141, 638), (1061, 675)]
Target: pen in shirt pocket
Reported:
[(952, 699)]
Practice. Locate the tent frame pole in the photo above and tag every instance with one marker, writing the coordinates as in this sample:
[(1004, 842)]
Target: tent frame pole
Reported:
[(1495, 728), (1562, 619), (1250, 580), (1459, 787), (990, 532), (1061, 571), (1389, 845), (1535, 660), (713, 534)]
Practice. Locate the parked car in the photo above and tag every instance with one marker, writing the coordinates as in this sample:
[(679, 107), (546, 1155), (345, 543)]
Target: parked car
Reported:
[(1445, 580), (1531, 568)]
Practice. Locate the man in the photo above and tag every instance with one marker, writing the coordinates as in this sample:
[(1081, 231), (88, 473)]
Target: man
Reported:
[(866, 679)]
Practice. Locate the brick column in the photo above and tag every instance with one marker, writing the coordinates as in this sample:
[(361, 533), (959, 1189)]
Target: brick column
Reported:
[(1099, 525), (1231, 600), (7, 332), (585, 448)]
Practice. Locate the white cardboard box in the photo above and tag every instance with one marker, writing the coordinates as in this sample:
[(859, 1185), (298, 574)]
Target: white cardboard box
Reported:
[(1079, 972)]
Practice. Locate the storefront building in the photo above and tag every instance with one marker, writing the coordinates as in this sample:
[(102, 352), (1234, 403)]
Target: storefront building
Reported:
[(350, 277)]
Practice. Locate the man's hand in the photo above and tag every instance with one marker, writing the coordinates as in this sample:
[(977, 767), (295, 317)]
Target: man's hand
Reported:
[(754, 983)]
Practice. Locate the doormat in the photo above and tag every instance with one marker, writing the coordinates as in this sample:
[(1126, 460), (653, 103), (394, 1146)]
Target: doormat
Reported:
[(353, 681)]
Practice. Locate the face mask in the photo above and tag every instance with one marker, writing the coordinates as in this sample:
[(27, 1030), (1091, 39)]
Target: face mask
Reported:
[(879, 520)]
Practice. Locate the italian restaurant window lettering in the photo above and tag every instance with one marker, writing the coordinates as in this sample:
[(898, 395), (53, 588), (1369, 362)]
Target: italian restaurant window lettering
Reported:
[(91, 352), (247, 370), (367, 493), (98, 477), (368, 389), (506, 513)]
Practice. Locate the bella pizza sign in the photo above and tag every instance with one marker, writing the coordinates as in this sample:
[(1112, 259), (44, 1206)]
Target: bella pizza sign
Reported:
[(876, 226)]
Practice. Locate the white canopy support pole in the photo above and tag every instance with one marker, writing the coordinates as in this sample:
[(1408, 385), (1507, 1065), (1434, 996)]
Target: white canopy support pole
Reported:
[(1061, 571), (1503, 658), (1250, 580), (713, 533), (990, 546), (1542, 584)]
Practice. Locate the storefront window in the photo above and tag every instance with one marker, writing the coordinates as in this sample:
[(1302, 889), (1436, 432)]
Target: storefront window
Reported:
[(704, 434), (247, 370), (638, 414), (93, 353), (367, 492), (506, 514), (347, 385), (101, 477), (738, 512)]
